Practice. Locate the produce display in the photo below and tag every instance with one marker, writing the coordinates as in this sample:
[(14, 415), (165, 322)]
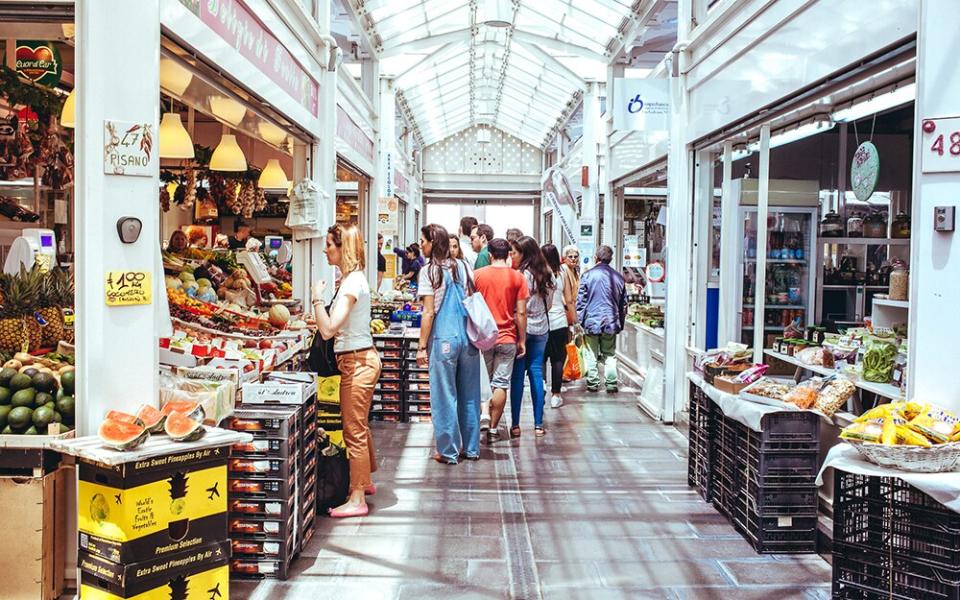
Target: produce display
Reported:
[(180, 421), (645, 314), (905, 424), (878, 361), (770, 388), (34, 396), (377, 326), (32, 305)]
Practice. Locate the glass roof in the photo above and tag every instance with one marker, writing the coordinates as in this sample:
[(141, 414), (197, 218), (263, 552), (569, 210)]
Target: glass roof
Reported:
[(452, 71)]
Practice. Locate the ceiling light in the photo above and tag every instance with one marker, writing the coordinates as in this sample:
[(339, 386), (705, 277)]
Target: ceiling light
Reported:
[(174, 77), (175, 142), (272, 177), (271, 133), (227, 109), (228, 156), (877, 104), (495, 13), (68, 115)]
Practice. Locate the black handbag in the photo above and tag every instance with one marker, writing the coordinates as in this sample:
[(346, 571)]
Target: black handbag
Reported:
[(333, 477), (322, 359)]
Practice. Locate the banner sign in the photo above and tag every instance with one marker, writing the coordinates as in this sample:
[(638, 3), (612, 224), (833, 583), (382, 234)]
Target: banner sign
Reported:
[(353, 135), (556, 191), (641, 105), (239, 26), (388, 219), (39, 61)]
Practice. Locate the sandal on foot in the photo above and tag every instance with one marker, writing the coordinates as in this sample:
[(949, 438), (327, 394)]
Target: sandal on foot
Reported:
[(515, 432), (359, 511), (539, 431), (370, 490)]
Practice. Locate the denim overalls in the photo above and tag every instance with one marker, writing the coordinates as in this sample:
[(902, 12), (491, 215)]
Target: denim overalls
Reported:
[(454, 376)]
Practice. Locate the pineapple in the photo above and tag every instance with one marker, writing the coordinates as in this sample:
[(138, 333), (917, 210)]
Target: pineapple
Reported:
[(19, 329), (51, 309), (65, 298)]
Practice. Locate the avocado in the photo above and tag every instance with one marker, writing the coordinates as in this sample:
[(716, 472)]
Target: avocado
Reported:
[(23, 398), (44, 382), (20, 418), (4, 412), (6, 375), (5, 395), (20, 381)]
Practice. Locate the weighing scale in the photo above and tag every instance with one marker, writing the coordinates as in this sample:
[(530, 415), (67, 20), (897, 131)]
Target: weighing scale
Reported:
[(33, 247), (272, 244)]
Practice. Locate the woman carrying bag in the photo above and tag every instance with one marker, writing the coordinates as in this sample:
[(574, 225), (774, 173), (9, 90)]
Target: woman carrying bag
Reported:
[(445, 347), (561, 316), (348, 323)]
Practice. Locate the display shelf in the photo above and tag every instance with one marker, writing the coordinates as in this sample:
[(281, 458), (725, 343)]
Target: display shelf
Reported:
[(779, 306), (780, 261), (852, 286), (881, 389), (891, 303), (863, 241), (765, 328)]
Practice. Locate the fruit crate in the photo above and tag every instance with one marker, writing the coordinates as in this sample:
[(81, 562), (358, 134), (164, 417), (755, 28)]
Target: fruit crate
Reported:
[(865, 575), (889, 514), (789, 430), (700, 448)]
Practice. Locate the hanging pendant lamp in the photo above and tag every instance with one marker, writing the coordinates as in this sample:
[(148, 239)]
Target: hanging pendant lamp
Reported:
[(174, 77), (227, 109), (228, 156), (272, 177), (495, 13), (68, 115), (175, 142)]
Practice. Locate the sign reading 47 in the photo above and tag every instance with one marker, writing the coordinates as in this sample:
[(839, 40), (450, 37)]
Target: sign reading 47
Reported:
[(128, 149)]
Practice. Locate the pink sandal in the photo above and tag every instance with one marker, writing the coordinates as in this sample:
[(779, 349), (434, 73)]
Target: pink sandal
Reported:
[(360, 511), (370, 490)]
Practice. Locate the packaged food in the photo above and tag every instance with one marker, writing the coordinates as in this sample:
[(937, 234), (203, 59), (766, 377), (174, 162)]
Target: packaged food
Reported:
[(911, 437), (878, 361), (816, 356), (888, 435), (867, 431), (834, 395), (936, 424), (803, 396)]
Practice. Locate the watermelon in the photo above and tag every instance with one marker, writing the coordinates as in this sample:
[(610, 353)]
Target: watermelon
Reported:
[(181, 428), (191, 409), (151, 418), (121, 435), (122, 417)]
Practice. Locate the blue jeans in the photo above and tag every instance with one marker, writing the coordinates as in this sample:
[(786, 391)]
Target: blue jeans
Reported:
[(454, 380), (530, 364)]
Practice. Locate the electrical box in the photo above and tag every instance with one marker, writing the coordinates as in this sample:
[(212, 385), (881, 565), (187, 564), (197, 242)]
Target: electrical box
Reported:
[(944, 218)]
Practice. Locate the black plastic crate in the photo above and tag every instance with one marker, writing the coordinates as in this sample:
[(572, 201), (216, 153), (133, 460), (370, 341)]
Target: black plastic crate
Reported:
[(779, 535), (789, 427), (775, 502), (865, 575), (700, 446)]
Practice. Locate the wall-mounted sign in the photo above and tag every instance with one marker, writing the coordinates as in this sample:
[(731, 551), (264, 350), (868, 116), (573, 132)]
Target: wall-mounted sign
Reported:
[(388, 183), (865, 171), (39, 61), (128, 288), (641, 105), (353, 135), (634, 255), (128, 149), (656, 272), (240, 27), (387, 218), (940, 148)]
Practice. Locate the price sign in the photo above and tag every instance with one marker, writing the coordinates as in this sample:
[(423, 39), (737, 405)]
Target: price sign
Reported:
[(940, 146), (128, 288)]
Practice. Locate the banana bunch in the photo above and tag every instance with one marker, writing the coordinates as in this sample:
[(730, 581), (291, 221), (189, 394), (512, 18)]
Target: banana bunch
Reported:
[(905, 423), (377, 326)]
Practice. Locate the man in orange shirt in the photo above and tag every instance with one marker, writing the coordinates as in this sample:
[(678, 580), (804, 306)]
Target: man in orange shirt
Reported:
[(505, 291)]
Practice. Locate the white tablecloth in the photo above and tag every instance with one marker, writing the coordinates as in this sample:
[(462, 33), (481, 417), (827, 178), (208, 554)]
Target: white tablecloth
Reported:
[(733, 406), (942, 487)]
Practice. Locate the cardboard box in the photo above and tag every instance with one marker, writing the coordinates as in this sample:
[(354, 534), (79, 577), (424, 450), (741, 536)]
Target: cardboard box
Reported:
[(147, 509), (198, 573), (727, 384), (278, 392), (264, 423), (35, 523)]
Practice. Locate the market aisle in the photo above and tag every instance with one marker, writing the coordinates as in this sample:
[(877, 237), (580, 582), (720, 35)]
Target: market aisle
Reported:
[(597, 509)]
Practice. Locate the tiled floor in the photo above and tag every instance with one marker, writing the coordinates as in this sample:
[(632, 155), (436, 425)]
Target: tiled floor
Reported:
[(597, 509)]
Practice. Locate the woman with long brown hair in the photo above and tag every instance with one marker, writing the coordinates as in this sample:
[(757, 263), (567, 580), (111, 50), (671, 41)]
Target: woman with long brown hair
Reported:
[(348, 323), (453, 361), (540, 283), (562, 315)]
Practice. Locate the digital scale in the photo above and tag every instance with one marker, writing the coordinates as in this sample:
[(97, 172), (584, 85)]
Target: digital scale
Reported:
[(33, 247), (256, 268)]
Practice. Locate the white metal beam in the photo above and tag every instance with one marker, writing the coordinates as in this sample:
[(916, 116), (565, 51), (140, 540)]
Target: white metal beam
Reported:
[(638, 21), (556, 66), (555, 44), (431, 41)]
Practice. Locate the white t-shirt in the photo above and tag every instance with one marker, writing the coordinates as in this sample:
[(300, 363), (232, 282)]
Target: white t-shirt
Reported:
[(467, 250), (425, 286), (355, 334), (558, 313)]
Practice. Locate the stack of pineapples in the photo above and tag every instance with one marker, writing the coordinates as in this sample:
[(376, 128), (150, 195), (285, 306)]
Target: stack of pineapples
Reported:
[(31, 309)]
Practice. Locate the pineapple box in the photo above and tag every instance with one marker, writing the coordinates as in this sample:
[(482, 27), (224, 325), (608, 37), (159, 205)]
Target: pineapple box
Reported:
[(200, 573), (151, 508)]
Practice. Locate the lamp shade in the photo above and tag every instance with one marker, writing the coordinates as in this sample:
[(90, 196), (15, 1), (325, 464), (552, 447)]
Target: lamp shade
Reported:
[(495, 13), (227, 109), (175, 142), (272, 177), (68, 116), (174, 77), (271, 133), (228, 156)]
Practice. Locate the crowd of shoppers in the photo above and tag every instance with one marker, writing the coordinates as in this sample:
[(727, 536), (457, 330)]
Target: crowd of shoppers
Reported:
[(538, 299)]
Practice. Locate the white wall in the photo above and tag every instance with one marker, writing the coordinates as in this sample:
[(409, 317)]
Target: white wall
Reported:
[(461, 153)]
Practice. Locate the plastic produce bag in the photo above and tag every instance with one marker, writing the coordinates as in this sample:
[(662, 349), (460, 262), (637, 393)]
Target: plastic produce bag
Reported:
[(878, 361), (573, 366), (217, 398)]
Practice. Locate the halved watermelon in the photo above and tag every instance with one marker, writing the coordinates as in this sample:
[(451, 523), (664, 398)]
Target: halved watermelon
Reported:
[(121, 435), (181, 428), (192, 409), (122, 417), (151, 418)]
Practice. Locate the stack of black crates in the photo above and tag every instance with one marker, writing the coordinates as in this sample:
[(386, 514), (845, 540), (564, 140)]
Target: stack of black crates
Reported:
[(892, 541), (403, 392), (763, 481), (272, 483)]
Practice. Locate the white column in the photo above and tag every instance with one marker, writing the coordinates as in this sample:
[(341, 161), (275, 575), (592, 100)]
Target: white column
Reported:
[(302, 275), (763, 205), (935, 262), (323, 166), (117, 353), (591, 132), (727, 312), (370, 80), (702, 233), (613, 201)]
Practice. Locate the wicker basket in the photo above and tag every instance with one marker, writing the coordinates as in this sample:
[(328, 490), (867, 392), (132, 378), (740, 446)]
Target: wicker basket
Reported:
[(936, 459)]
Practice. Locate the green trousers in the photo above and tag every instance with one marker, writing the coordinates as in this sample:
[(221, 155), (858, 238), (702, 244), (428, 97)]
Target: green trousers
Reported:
[(600, 350)]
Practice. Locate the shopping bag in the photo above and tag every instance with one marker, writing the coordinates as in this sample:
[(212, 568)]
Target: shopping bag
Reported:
[(333, 476), (573, 367), (481, 326)]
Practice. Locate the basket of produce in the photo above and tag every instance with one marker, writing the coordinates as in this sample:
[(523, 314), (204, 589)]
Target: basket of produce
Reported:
[(908, 436)]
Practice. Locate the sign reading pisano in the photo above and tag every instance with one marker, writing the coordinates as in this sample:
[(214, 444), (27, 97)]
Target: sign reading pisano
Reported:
[(128, 149), (39, 61)]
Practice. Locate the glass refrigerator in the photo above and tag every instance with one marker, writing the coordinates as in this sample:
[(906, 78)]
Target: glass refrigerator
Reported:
[(790, 285)]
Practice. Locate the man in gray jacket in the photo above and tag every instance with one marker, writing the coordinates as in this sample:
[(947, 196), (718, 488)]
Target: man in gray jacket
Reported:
[(601, 311)]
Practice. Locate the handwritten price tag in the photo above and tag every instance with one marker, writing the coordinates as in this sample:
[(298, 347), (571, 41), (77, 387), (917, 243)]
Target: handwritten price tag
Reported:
[(128, 288)]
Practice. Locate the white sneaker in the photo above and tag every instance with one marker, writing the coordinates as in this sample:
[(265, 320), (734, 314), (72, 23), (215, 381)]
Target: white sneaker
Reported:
[(556, 401), (484, 423), (493, 435)]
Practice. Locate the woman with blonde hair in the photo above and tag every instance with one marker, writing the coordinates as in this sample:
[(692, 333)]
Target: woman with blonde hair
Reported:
[(348, 323)]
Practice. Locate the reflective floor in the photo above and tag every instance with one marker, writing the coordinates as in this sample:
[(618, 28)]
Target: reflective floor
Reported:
[(599, 508)]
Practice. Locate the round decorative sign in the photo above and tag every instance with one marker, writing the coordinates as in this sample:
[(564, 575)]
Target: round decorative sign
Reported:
[(865, 171), (655, 272)]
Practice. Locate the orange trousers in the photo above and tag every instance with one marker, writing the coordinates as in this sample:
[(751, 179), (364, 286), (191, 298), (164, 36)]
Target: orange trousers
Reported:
[(359, 373)]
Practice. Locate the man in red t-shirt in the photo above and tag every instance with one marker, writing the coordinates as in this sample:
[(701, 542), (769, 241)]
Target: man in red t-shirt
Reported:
[(505, 292)]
